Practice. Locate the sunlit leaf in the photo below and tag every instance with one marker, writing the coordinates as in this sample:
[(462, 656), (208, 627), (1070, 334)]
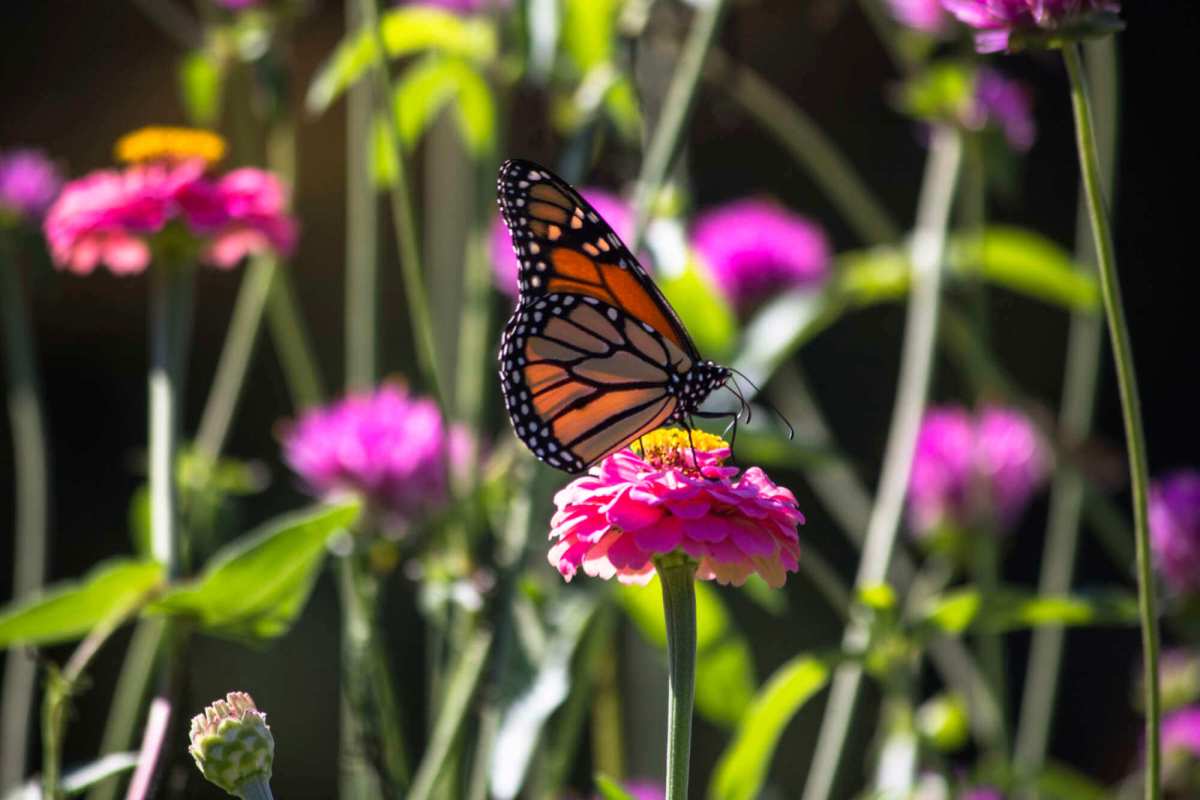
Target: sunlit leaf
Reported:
[(255, 587), (609, 789), (434, 82), (1060, 782), (589, 31), (405, 31), (475, 109), (1026, 262), (724, 667), (866, 277), (742, 769), (1010, 609), (200, 77), (705, 313), (384, 167), (67, 611)]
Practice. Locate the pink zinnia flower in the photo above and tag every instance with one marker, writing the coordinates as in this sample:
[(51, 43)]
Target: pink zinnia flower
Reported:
[(1181, 731), (1175, 529), (28, 183), (997, 20), (971, 469), (613, 209), (386, 445), (753, 249), (926, 16), (255, 219), (631, 508)]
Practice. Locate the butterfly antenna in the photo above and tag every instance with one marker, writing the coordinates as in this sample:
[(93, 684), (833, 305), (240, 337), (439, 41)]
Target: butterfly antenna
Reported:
[(762, 399)]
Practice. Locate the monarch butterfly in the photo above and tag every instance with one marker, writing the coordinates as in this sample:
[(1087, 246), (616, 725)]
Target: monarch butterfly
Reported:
[(593, 356)]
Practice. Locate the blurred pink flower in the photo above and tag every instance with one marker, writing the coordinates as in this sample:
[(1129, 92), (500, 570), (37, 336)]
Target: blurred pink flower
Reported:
[(982, 793), (630, 508), (613, 209), (389, 446), (1175, 529), (237, 5), (996, 20), (1181, 731), (28, 184), (1004, 103), (109, 216), (972, 469), (926, 16), (753, 249)]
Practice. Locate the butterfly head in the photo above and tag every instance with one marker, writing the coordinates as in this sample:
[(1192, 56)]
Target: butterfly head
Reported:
[(702, 379)]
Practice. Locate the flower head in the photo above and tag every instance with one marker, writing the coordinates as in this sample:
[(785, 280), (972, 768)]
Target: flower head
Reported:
[(754, 248), (113, 217), (997, 21), (1181, 732), (1175, 529), (926, 16), (231, 743), (613, 209), (28, 184), (1005, 104), (386, 445), (631, 508), (970, 469)]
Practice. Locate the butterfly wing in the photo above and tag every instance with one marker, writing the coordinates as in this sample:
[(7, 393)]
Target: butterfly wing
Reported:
[(563, 246)]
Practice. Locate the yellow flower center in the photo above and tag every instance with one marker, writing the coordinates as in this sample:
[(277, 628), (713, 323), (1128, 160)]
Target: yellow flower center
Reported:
[(170, 144), (672, 447)]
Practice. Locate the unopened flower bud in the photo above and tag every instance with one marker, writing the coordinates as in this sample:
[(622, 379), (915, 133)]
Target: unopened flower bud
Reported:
[(232, 744)]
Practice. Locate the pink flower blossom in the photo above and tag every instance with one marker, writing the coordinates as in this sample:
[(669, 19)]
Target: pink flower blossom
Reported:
[(28, 184), (996, 21), (630, 508), (109, 217), (971, 469), (1181, 731), (754, 248), (926, 16), (1175, 529), (387, 445), (1004, 103), (613, 209)]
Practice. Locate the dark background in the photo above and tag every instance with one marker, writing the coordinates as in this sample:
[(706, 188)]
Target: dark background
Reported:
[(78, 75)]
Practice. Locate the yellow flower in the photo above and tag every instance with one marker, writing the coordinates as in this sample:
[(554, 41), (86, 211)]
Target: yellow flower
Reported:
[(172, 144), (673, 446)]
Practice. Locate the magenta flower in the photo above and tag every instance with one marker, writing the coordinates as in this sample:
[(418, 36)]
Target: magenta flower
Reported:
[(630, 508), (613, 209), (926, 16), (996, 21), (1005, 104), (110, 217), (1181, 732), (753, 249), (982, 793), (29, 182), (1175, 529), (386, 445), (974, 470)]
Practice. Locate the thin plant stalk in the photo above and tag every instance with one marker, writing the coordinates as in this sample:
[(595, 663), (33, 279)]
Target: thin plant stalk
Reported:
[(667, 138), (677, 573), (1135, 440), (1082, 370), (916, 363), (362, 230), (808, 146), (293, 343), (404, 221), (31, 506)]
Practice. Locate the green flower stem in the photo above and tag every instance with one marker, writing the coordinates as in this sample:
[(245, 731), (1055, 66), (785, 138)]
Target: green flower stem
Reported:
[(916, 360), (257, 789), (32, 509), (373, 753), (1118, 329), (1075, 421), (665, 143), (130, 692), (362, 230), (404, 221), (808, 146), (991, 645), (677, 574), (293, 343)]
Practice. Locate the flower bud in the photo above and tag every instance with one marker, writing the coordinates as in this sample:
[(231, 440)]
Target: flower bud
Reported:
[(231, 743)]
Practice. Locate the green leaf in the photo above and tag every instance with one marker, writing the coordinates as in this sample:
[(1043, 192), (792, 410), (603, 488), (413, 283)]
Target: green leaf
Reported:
[(609, 789), (1060, 782), (256, 586), (384, 167), (1011, 609), (589, 31), (877, 275), (429, 86), (139, 521), (405, 31), (705, 313), (724, 667), (200, 76), (780, 327), (1028, 263), (68, 611), (742, 769)]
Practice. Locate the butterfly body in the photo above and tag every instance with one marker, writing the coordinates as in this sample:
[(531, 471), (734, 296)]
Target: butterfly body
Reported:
[(593, 356)]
